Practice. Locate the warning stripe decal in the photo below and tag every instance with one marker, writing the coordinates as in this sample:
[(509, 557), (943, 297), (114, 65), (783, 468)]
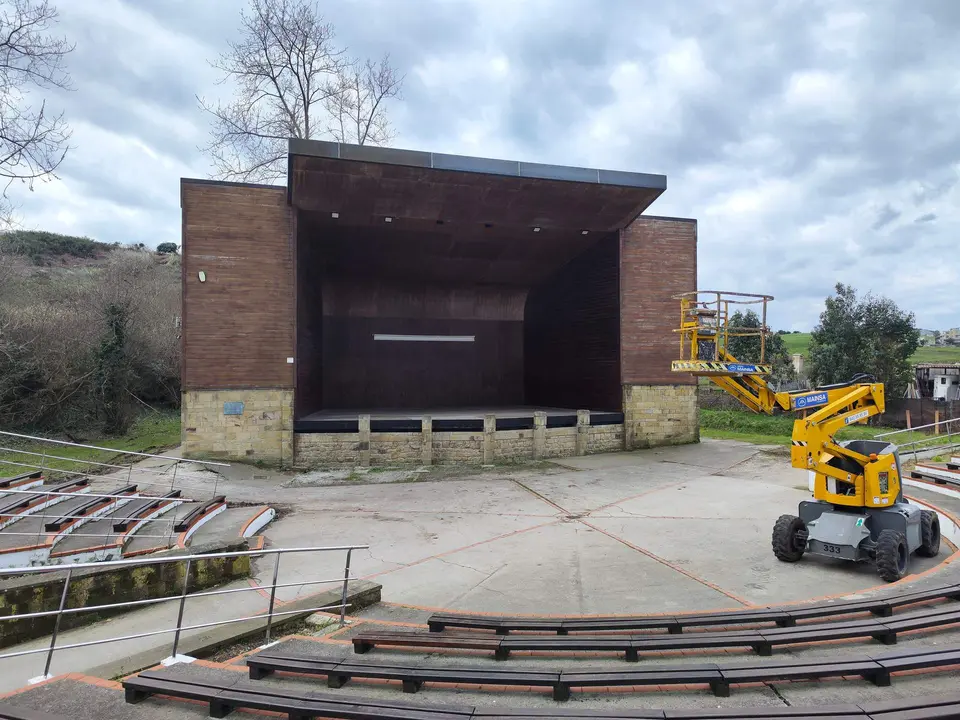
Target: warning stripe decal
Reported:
[(713, 366)]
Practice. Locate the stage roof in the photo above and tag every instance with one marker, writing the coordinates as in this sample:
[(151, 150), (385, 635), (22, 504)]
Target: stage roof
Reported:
[(364, 185)]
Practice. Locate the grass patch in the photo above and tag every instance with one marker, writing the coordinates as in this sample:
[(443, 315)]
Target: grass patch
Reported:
[(800, 343), (797, 343), (152, 433), (777, 429)]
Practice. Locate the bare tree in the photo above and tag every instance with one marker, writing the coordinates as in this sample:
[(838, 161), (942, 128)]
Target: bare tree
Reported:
[(356, 109), (33, 140), (291, 80)]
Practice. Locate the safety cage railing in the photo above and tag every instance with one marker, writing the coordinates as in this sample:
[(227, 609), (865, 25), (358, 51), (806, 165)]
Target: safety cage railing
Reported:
[(705, 328), (180, 600)]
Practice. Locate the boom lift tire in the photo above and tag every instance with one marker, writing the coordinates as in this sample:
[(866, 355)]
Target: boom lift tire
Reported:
[(789, 538), (929, 534), (892, 555)]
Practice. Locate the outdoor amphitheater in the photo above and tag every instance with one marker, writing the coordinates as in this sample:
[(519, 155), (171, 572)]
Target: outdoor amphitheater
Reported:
[(438, 463), (623, 585)]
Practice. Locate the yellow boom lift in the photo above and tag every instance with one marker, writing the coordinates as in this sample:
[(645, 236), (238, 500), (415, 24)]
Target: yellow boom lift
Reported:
[(858, 512)]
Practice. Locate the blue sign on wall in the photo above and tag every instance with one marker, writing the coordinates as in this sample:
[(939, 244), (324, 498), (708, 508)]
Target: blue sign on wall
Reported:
[(233, 408), (810, 400)]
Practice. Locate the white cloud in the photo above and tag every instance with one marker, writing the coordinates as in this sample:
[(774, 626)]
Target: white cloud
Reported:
[(807, 137)]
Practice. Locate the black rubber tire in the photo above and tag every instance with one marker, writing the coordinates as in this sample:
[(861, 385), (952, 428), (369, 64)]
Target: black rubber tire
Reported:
[(929, 534), (786, 546), (893, 559)]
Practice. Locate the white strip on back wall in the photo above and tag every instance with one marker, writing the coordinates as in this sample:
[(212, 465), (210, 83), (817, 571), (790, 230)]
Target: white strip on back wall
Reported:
[(425, 338)]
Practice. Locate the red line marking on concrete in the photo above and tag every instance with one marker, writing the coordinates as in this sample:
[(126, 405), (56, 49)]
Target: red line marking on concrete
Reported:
[(668, 564), (460, 549), (634, 497), (545, 499)]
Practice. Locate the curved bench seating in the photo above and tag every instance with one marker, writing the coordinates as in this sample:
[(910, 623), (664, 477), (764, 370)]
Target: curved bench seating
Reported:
[(224, 696), (719, 676), (761, 640), (781, 616)]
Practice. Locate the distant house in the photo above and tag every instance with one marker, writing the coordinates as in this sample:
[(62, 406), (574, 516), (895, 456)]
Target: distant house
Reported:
[(940, 381)]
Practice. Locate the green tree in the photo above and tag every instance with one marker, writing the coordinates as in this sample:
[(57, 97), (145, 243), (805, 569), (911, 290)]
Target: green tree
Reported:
[(868, 335), (747, 348), (167, 248)]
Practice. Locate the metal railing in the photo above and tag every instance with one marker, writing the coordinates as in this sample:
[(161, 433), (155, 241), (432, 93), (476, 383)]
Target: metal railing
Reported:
[(44, 456), (181, 599), (46, 461), (951, 434)]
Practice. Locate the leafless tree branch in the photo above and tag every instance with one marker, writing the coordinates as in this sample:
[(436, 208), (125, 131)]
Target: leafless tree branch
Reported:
[(290, 79), (33, 140)]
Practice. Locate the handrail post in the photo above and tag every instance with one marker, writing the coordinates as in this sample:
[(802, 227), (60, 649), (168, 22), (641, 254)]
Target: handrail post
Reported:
[(174, 658), (343, 593), (56, 630), (273, 599)]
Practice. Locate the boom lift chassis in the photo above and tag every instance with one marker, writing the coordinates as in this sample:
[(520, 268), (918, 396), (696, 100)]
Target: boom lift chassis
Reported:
[(858, 512)]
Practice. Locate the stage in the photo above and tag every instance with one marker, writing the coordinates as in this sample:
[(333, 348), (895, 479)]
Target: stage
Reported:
[(518, 417)]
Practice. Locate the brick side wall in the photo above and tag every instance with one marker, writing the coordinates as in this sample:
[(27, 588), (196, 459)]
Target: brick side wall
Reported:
[(658, 259), (238, 325)]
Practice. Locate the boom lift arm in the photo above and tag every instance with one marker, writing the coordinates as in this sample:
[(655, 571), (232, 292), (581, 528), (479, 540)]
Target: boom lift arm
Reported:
[(705, 330), (858, 512)]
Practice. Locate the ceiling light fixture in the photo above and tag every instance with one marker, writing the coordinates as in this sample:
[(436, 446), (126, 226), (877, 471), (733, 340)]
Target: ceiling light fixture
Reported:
[(536, 229), (334, 215), (388, 219), (584, 232)]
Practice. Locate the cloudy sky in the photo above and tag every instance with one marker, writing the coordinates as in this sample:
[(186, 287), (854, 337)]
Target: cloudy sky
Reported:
[(815, 142)]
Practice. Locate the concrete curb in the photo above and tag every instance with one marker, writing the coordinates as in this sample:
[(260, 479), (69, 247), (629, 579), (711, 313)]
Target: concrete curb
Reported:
[(360, 594)]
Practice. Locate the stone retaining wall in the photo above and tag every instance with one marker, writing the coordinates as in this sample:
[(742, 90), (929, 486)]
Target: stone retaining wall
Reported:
[(429, 447), (41, 592)]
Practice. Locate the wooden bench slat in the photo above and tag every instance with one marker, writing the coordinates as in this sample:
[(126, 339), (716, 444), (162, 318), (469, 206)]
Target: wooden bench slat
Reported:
[(86, 507), (21, 500), (925, 620), (187, 520), (785, 615)]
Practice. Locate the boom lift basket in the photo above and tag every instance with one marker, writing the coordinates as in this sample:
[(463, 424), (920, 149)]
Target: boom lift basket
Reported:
[(705, 332)]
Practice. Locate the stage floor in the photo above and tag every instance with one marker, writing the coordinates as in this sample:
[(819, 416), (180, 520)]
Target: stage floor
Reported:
[(464, 413)]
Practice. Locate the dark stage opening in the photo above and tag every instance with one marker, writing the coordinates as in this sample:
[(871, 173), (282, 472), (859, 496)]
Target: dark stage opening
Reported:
[(426, 289), (404, 317)]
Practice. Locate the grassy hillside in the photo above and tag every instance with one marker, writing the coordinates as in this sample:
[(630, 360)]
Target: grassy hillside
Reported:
[(800, 343), (43, 248), (797, 343), (153, 433)]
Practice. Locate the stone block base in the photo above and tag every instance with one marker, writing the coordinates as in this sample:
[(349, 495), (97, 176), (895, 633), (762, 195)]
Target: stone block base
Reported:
[(251, 425), (431, 447), (660, 415)]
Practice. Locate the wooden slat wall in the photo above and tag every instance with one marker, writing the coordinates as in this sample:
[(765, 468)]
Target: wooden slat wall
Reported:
[(361, 373), (238, 326), (310, 309), (658, 261), (572, 329)]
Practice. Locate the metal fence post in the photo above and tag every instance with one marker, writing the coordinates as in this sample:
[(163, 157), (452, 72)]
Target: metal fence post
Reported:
[(56, 629), (343, 593), (273, 598), (183, 600)]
